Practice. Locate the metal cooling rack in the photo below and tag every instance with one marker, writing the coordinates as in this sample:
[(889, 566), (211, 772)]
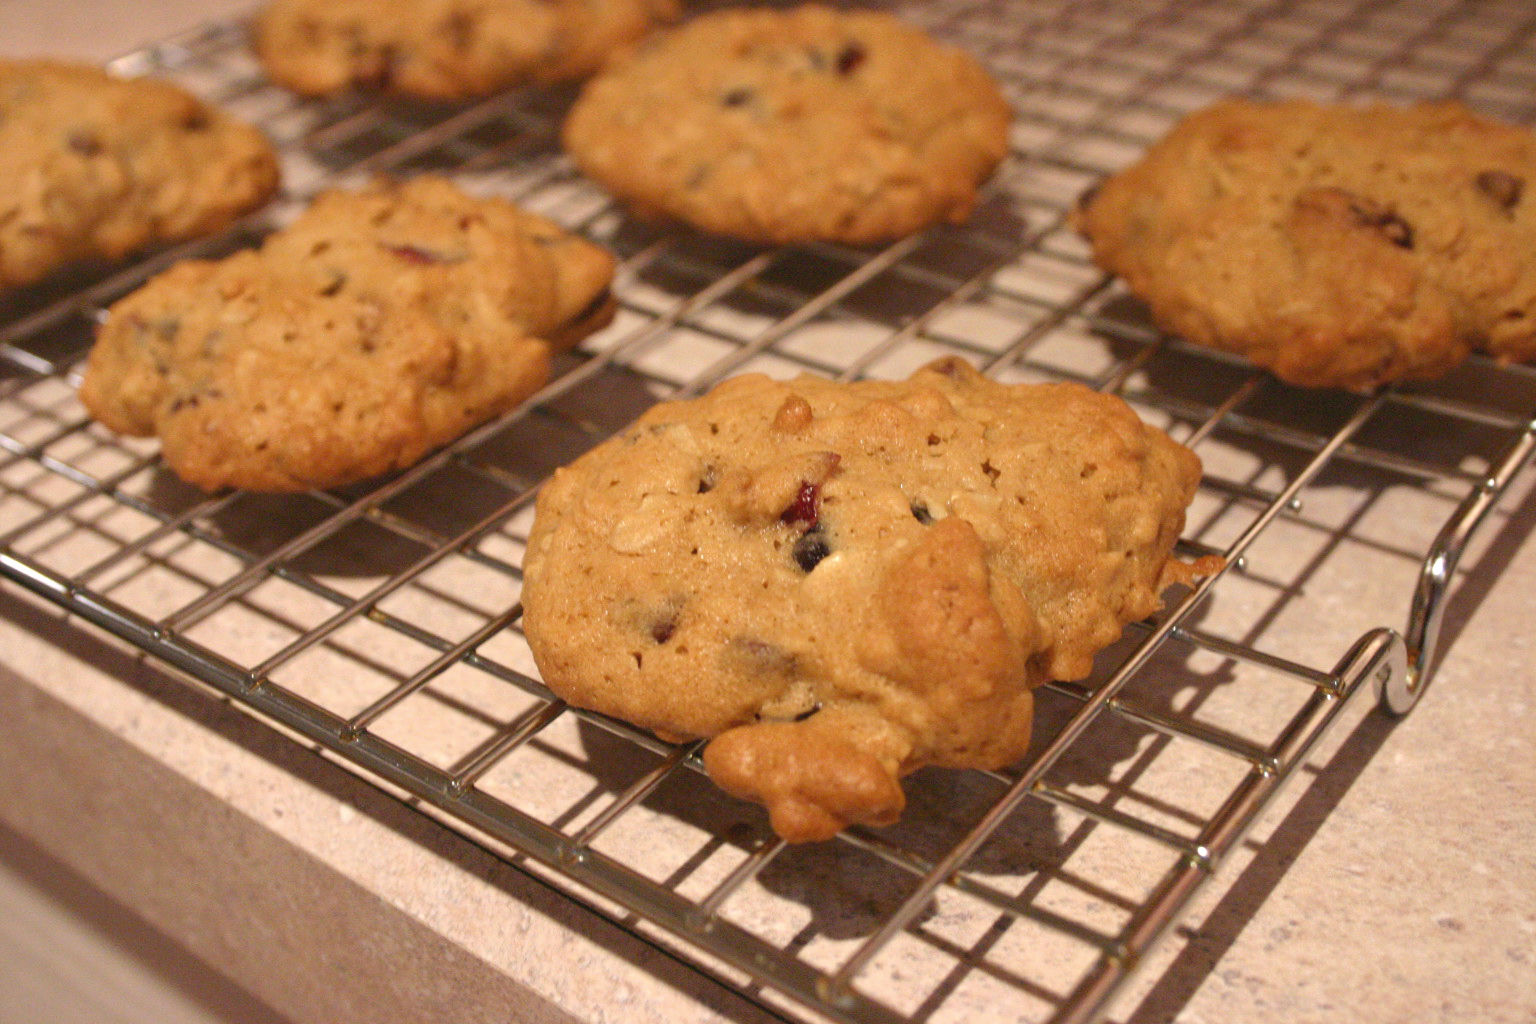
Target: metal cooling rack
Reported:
[(380, 621)]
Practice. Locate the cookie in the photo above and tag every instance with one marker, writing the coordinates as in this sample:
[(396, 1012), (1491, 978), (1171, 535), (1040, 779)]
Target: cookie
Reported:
[(842, 582), (787, 126), (444, 49), (1336, 246), (93, 166), (379, 325)]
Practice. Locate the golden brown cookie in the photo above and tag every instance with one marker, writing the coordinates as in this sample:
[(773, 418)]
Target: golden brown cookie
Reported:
[(379, 325), (445, 49), (1336, 246), (840, 583), (93, 166), (785, 126)]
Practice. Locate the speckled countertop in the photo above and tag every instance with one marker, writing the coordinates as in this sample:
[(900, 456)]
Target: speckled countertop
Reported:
[(1396, 881)]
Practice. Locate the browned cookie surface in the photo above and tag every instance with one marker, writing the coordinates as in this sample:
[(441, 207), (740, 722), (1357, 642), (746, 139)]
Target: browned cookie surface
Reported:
[(445, 49), (93, 166), (1335, 245), (841, 583), (783, 126), (379, 325)]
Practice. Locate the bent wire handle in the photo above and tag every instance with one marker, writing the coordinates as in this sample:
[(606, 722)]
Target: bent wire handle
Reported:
[(1401, 691)]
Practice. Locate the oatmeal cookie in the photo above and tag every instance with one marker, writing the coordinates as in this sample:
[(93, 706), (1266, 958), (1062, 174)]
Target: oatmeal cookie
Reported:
[(93, 166), (445, 49), (380, 324), (1336, 246), (840, 583), (785, 126)]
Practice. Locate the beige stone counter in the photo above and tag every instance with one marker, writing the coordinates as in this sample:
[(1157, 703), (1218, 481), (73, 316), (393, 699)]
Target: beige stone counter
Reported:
[(1395, 881)]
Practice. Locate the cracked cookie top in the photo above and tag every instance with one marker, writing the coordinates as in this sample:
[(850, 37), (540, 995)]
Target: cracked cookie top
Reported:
[(783, 126), (840, 583), (380, 324), (1337, 246)]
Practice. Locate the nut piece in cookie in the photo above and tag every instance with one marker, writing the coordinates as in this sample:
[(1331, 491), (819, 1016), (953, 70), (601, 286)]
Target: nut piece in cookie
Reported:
[(840, 583), (797, 125), (97, 167), (380, 324), (444, 49), (1336, 246)]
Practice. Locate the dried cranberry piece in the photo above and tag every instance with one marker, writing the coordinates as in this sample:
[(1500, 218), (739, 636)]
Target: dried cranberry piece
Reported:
[(414, 254), (806, 507), (812, 546)]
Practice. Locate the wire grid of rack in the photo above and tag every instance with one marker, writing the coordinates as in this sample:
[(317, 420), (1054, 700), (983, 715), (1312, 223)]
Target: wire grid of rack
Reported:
[(380, 621)]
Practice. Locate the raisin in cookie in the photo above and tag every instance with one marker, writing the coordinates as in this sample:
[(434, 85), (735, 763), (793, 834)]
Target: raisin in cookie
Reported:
[(93, 166), (785, 126), (841, 583), (445, 49), (379, 325), (1337, 246)]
